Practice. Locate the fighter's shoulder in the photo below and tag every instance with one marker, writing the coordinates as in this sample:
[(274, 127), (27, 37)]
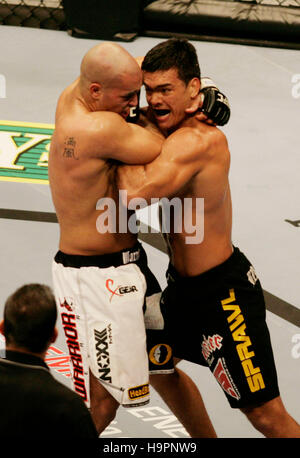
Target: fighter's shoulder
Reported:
[(184, 146), (203, 136), (185, 134), (95, 121), (197, 143), (189, 138), (105, 121)]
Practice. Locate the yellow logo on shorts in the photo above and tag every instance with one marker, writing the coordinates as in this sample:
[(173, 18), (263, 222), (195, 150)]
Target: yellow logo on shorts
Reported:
[(238, 329), (160, 354), (138, 391)]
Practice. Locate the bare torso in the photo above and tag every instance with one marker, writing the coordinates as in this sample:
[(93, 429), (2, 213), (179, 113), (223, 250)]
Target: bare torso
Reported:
[(78, 179), (213, 228)]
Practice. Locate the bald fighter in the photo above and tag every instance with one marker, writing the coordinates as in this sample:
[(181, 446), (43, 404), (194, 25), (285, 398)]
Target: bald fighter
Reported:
[(100, 278), (213, 309)]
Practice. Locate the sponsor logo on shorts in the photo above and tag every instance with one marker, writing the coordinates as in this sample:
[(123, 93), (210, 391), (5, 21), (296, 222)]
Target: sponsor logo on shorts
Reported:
[(67, 305), (102, 340), (209, 345), (224, 379), (69, 327), (160, 354), (138, 391), (238, 329), (119, 290), (130, 257)]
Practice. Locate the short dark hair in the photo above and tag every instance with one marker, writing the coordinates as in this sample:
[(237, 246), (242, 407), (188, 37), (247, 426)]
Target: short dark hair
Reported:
[(174, 53), (29, 317)]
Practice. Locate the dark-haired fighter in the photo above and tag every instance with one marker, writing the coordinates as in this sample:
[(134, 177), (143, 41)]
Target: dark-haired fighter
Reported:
[(213, 307)]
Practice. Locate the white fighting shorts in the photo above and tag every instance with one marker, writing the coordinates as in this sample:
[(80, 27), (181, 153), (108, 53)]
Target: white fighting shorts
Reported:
[(100, 300)]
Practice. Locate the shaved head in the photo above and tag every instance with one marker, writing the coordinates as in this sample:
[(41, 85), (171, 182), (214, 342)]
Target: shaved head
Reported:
[(107, 64), (110, 79)]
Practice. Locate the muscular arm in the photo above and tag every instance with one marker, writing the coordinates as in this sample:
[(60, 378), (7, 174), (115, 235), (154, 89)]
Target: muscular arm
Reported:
[(180, 159), (129, 143)]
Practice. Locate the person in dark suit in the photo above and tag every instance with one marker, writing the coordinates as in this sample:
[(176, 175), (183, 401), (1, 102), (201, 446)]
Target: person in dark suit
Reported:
[(33, 403)]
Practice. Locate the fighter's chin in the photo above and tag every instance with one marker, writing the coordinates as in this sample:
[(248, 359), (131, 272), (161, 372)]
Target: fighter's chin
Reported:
[(163, 120), (124, 114)]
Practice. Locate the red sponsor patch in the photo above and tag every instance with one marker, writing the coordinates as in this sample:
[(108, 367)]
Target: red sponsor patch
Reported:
[(223, 377)]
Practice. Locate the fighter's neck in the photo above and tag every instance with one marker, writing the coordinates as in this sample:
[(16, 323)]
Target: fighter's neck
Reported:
[(187, 121)]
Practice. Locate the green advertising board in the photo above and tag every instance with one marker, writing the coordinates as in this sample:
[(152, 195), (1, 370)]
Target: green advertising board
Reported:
[(24, 151)]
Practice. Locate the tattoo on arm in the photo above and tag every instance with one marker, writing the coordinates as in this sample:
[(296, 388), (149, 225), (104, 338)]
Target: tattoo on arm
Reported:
[(69, 148)]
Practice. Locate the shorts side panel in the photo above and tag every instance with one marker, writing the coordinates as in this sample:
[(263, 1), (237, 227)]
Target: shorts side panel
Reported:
[(68, 300), (246, 357), (159, 349)]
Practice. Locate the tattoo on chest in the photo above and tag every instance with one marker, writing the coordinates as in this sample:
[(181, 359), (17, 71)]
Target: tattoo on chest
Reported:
[(70, 148)]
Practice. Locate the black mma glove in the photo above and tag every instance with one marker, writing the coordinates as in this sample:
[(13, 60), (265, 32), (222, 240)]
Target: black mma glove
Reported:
[(215, 104), (134, 112)]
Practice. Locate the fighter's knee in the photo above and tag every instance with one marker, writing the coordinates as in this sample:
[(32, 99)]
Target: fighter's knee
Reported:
[(258, 419), (103, 411), (103, 405), (106, 408), (267, 418)]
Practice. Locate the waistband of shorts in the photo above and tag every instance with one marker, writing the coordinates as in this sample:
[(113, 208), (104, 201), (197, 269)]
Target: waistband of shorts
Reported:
[(212, 274), (127, 256)]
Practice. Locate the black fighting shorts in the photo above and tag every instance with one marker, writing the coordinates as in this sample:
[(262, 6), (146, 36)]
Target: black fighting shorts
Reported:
[(217, 319)]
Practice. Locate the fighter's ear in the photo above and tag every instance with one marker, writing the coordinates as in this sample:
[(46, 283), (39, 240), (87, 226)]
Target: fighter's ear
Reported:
[(195, 95), (95, 90), (194, 87)]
